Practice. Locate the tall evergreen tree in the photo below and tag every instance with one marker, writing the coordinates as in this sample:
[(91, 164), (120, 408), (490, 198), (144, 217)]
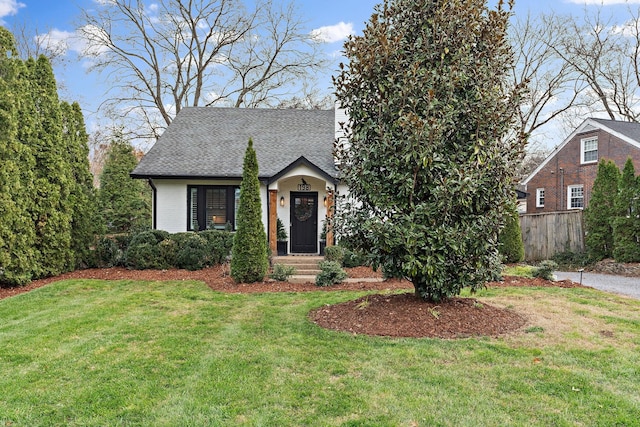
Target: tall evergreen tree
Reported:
[(626, 226), (53, 178), (601, 212), (85, 223), (249, 259), (17, 237), (124, 203), (431, 148)]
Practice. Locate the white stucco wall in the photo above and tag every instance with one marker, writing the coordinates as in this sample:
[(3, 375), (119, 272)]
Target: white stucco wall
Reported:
[(171, 202), (171, 198), (171, 205)]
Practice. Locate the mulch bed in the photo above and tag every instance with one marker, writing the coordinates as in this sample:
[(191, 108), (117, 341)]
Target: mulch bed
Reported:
[(387, 314)]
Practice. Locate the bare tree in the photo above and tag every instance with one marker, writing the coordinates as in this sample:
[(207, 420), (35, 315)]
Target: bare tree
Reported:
[(179, 53), (31, 43), (605, 56), (554, 87)]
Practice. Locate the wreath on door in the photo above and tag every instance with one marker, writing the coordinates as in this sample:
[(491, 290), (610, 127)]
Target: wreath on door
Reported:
[(303, 210)]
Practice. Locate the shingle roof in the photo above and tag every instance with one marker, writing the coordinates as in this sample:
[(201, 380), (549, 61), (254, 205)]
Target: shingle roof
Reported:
[(208, 142), (629, 129)]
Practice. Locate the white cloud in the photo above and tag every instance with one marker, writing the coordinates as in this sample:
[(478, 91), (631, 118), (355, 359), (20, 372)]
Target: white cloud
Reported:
[(56, 40), (333, 33), (9, 7), (603, 2)]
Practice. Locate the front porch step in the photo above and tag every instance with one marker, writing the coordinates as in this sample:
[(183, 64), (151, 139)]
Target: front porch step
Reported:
[(306, 267), (297, 259), (302, 278)]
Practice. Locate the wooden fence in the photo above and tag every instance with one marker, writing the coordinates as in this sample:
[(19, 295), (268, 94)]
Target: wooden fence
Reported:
[(547, 234)]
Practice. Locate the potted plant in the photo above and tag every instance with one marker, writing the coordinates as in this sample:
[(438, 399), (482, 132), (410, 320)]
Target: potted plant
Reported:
[(281, 236), (323, 237)]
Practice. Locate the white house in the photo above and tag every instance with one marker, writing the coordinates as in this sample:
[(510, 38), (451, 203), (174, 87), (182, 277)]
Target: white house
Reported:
[(195, 170)]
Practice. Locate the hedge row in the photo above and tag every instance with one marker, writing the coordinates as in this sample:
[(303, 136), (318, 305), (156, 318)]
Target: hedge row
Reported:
[(157, 249)]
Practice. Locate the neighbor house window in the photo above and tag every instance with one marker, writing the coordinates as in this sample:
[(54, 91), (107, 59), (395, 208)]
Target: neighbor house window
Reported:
[(589, 150), (575, 197), (212, 207), (540, 198)]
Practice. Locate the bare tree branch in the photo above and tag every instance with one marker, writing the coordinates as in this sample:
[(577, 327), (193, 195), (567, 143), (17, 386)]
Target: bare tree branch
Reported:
[(179, 53)]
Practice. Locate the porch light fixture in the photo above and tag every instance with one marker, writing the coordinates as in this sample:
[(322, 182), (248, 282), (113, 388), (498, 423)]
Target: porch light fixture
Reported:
[(325, 201), (282, 201)]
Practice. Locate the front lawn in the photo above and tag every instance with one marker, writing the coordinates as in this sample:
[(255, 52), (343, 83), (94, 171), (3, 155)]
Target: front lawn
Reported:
[(92, 352)]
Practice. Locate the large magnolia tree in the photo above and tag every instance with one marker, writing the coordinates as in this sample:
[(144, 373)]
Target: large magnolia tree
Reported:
[(431, 149)]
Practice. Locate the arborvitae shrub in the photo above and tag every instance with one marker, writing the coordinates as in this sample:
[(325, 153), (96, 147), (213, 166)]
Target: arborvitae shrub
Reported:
[(599, 215), (249, 262), (627, 247), (511, 246)]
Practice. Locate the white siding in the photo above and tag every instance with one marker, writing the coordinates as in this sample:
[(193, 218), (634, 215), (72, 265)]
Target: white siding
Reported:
[(171, 205)]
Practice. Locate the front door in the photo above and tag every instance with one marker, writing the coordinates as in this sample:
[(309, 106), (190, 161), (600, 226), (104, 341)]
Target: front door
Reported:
[(304, 223)]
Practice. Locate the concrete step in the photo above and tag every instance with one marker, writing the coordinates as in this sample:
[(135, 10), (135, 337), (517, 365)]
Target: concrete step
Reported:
[(306, 267), (307, 272), (295, 260), (300, 278)]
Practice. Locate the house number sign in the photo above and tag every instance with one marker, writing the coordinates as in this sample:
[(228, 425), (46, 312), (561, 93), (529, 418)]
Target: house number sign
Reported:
[(304, 187)]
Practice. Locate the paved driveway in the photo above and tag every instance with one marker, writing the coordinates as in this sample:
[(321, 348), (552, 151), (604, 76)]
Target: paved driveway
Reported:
[(629, 286)]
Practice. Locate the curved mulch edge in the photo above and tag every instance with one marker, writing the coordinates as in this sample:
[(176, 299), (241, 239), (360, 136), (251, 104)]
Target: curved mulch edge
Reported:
[(404, 315)]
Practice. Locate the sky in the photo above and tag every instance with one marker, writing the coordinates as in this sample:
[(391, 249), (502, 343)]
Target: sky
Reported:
[(333, 19)]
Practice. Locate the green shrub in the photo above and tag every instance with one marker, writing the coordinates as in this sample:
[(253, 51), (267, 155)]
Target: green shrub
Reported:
[(545, 270), (599, 215), (331, 273), (353, 259), (193, 253), (219, 245), (107, 252), (334, 253), (572, 260), (123, 240), (510, 242), (168, 249), (282, 272), (143, 252), (626, 237), (143, 256), (160, 235)]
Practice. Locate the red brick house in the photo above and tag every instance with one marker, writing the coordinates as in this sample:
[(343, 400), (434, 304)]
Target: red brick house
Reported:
[(564, 179)]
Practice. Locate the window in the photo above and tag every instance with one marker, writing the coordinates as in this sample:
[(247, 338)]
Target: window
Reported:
[(212, 207), (540, 198), (589, 150), (575, 197)]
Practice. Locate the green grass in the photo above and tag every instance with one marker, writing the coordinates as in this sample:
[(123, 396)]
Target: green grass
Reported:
[(519, 270), (126, 353)]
